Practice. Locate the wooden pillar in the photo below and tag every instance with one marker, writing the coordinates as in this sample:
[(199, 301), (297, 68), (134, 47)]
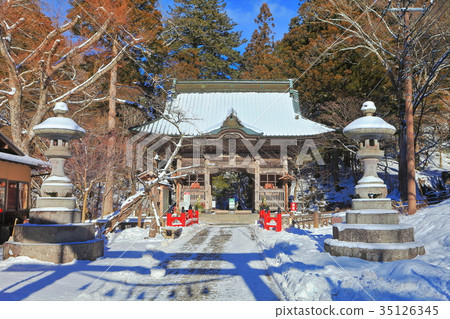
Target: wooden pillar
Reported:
[(285, 182), (286, 194), (161, 199), (177, 195), (208, 192), (257, 182), (178, 188), (285, 164), (316, 219), (139, 223)]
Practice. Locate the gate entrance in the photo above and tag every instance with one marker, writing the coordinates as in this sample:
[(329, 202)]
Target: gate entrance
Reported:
[(232, 191)]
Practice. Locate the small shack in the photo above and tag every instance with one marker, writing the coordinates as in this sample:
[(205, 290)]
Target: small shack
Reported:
[(16, 169)]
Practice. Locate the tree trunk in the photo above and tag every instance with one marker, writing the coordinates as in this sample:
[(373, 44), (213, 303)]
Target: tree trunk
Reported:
[(15, 114), (410, 140), (402, 184), (335, 167), (84, 208), (109, 182)]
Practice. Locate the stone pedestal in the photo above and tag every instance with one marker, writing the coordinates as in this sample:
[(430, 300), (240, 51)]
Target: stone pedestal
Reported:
[(372, 230), (55, 232)]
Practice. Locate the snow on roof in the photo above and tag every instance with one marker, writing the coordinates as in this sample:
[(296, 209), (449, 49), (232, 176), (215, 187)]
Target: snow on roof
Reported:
[(272, 113), (369, 122), (368, 106), (61, 107), (25, 160), (368, 125), (61, 123)]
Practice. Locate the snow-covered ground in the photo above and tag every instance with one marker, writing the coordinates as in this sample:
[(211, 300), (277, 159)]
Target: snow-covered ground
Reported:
[(306, 272), (238, 263)]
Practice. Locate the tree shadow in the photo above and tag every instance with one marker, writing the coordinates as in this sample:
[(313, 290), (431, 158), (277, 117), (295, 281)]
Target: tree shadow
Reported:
[(241, 267), (44, 275), (318, 238)]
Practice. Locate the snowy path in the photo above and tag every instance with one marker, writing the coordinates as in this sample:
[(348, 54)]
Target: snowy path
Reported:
[(205, 263), (216, 263)]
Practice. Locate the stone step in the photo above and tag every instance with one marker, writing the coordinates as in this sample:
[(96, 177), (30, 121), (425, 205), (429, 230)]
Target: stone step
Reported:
[(223, 211), (229, 219), (56, 233), (374, 233), (57, 253), (371, 203), (374, 251), (55, 215), (372, 216)]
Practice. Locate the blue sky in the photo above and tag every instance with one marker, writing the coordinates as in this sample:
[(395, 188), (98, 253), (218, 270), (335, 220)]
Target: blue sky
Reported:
[(243, 12)]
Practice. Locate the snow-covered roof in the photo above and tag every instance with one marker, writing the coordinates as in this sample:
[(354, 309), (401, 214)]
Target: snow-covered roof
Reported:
[(59, 127), (61, 107), (10, 153), (369, 122), (272, 111), (59, 123), (25, 160), (369, 126)]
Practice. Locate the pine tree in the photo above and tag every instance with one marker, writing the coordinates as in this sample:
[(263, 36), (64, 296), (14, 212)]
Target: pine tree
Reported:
[(260, 60), (203, 41), (325, 74)]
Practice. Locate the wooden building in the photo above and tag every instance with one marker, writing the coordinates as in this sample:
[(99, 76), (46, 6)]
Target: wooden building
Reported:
[(250, 126), (15, 178)]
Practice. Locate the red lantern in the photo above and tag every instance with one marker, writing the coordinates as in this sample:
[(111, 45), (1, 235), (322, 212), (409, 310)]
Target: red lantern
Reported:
[(293, 207)]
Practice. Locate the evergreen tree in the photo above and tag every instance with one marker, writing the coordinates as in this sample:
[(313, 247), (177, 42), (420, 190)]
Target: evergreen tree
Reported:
[(260, 60), (202, 41), (324, 73), (332, 83)]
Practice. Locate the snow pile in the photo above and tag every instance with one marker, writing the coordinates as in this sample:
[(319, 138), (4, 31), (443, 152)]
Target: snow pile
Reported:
[(306, 272), (432, 228), (157, 272), (129, 234)]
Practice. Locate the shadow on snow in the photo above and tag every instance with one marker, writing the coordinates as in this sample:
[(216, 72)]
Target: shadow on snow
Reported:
[(44, 275)]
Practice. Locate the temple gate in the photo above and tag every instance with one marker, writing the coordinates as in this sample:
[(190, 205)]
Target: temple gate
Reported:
[(251, 126)]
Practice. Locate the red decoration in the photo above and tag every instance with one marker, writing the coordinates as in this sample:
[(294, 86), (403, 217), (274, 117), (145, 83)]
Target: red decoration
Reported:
[(182, 219), (293, 207), (269, 222)]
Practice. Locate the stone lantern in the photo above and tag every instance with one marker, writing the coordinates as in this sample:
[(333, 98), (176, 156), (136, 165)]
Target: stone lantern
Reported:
[(372, 230), (370, 190), (55, 232), (56, 205)]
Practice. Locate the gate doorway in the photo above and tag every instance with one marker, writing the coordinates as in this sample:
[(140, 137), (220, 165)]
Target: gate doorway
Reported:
[(235, 185)]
